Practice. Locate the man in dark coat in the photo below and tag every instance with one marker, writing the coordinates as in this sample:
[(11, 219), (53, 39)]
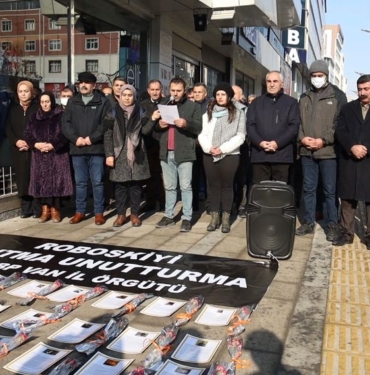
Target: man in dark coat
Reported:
[(353, 136), (154, 186), (82, 126), (272, 125), (177, 154), (320, 106)]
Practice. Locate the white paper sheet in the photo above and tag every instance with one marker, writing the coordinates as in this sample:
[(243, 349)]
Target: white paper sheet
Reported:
[(30, 314), (162, 307), (173, 368), (101, 364), (4, 307), (133, 341), (215, 316), (113, 300), (36, 360), (169, 113), (67, 293), (75, 331), (30, 287), (196, 349)]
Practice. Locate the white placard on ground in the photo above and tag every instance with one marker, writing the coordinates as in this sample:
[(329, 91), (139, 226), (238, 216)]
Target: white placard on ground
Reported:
[(215, 316), (173, 368), (30, 287), (162, 307), (114, 300), (67, 293), (29, 314)]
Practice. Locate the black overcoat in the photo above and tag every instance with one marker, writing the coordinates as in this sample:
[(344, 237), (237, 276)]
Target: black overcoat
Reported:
[(16, 122), (354, 174)]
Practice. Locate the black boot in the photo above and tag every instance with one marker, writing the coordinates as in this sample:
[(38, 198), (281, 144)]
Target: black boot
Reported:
[(225, 222), (215, 222)]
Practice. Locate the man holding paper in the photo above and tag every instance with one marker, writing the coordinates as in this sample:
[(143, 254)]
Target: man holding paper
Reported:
[(178, 127)]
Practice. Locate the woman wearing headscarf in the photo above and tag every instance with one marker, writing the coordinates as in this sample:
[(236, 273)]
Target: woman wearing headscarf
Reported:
[(16, 122), (51, 177), (125, 153), (223, 132)]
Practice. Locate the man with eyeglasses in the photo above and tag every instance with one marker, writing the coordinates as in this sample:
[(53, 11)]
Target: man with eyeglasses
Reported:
[(319, 107), (82, 126), (353, 136)]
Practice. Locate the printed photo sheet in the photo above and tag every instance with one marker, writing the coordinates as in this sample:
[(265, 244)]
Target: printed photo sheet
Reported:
[(25, 290), (75, 331), (36, 360), (114, 300), (133, 341), (29, 314), (162, 307), (101, 364), (173, 368), (67, 293), (196, 349), (215, 316)]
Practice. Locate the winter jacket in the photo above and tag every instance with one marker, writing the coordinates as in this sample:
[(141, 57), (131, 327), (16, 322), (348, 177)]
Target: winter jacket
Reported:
[(319, 116), (273, 118), (16, 122), (232, 146), (184, 137), (80, 120), (51, 174)]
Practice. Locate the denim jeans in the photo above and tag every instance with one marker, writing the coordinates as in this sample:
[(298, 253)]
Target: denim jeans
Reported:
[(312, 169), (85, 167), (183, 171)]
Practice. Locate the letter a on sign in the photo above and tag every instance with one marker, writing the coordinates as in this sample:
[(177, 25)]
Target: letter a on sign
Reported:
[(294, 56), (293, 37)]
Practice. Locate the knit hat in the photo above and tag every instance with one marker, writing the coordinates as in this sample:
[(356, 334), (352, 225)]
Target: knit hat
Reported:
[(26, 83), (86, 77), (319, 66), (224, 86)]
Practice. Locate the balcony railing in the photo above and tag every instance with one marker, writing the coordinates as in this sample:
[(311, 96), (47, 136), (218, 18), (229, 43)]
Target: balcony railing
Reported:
[(8, 186)]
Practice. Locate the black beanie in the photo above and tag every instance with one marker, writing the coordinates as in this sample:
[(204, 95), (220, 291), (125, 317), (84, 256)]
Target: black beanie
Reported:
[(224, 86)]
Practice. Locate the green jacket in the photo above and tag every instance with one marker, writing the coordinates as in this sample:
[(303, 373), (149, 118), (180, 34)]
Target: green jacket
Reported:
[(184, 138), (319, 116)]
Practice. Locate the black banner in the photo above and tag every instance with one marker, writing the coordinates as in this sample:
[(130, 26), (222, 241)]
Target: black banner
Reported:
[(222, 281)]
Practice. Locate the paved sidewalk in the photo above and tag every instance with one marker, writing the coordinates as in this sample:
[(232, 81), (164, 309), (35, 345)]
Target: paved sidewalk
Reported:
[(286, 332)]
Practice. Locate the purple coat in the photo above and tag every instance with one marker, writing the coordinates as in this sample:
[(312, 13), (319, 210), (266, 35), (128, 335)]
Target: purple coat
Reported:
[(50, 172)]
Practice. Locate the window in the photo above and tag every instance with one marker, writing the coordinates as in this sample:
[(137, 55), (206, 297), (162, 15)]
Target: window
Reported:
[(55, 45), (30, 45), (6, 25), (55, 66), (6, 46), (30, 67), (92, 65), (29, 25), (92, 43), (53, 25)]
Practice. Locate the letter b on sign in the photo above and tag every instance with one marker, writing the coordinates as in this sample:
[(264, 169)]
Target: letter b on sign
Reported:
[(293, 37)]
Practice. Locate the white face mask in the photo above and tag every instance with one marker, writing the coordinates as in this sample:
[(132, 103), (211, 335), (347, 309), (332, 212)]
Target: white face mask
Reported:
[(64, 101), (318, 82)]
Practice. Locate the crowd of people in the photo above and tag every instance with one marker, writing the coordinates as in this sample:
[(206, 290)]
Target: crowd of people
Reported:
[(214, 148)]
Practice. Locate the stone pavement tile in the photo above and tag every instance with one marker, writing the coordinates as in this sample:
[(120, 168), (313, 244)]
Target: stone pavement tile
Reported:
[(293, 270), (120, 241), (170, 231), (151, 219), (187, 237), (200, 227), (318, 266), (277, 313), (304, 342), (39, 230), (80, 235), (334, 363), (150, 242), (238, 228), (299, 254), (137, 232), (16, 226), (288, 370), (286, 291), (262, 362), (229, 245), (348, 314), (201, 250), (350, 294), (176, 247), (357, 279), (347, 339)]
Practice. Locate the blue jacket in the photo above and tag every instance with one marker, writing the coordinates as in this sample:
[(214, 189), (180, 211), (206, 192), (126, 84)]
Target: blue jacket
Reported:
[(273, 119)]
